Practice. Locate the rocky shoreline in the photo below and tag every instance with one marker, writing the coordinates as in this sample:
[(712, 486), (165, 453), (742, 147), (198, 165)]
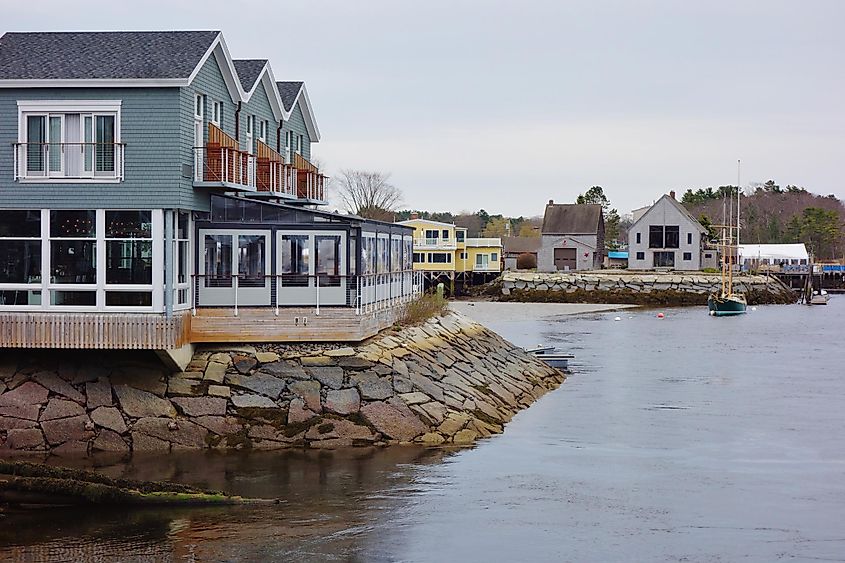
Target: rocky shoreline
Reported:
[(447, 381), (637, 288)]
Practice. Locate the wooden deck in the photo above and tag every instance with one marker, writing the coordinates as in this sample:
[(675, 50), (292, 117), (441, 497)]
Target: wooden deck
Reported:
[(128, 331), (153, 331), (301, 324)]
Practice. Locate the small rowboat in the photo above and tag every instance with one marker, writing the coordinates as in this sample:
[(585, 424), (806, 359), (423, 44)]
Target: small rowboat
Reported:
[(549, 355)]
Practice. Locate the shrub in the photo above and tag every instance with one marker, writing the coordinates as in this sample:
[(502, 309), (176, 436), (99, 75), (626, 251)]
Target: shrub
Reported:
[(422, 308), (526, 261)]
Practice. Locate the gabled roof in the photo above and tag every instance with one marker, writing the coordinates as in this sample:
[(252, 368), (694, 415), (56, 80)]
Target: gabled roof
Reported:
[(572, 219), (289, 91), (249, 70), (103, 55), (520, 245), (672, 201), (293, 92)]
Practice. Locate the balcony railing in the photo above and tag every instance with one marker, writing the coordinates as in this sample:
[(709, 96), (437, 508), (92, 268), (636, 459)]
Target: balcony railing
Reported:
[(310, 183), (224, 165), (273, 175), (439, 243), (473, 242), (72, 161)]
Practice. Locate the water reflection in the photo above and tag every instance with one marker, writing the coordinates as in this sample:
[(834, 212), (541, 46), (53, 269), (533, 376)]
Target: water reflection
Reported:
[(326, 501)]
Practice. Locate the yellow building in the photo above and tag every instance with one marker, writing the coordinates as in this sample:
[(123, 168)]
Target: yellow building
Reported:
[(445, 253)]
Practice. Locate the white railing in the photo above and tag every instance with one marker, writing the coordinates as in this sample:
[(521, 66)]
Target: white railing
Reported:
[(377, 292), (76, 161), (366, 293), (446, 244), (225, 165), (484, 242)]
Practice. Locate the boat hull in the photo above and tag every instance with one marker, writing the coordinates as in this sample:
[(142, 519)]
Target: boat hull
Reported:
[(726, 306)]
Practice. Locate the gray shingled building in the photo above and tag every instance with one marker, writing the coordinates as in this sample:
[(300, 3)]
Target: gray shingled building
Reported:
[(572, 238)]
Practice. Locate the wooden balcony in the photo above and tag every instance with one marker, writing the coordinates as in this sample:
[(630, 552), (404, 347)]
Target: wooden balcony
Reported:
[(273, 176), (310, 183), (221, 163)]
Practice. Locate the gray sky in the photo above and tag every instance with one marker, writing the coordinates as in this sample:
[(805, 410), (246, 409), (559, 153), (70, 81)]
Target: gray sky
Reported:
[(504, 105)]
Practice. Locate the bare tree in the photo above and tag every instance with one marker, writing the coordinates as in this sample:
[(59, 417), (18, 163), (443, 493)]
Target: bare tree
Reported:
[(368, 194)]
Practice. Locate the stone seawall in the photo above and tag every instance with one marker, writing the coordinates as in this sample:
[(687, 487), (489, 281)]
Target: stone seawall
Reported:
[(448, 381), (622, 286)]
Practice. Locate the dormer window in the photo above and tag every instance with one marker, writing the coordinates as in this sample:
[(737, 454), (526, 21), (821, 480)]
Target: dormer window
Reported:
[(78, 140)]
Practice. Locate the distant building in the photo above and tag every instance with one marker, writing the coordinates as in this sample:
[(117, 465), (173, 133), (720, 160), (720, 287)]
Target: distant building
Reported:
[(616, 259), (667, 236), (572, 238), (774, 257), (513, 247), (443, 252)]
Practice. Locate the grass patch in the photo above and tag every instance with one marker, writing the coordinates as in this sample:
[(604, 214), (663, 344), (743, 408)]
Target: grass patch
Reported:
[(422, 308)]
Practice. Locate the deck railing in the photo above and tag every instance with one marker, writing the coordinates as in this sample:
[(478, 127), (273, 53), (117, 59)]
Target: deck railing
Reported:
[(221, 160), (310, 182), (40, 161), (273, 174), (365, 293)]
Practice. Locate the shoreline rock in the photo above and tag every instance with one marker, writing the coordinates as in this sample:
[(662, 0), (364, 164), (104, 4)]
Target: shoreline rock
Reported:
[(636, 288), (448, 381)]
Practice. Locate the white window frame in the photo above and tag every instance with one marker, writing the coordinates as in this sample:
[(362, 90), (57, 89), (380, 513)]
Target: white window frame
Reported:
[(216, 113), (86, 108), (250, 133), (262, 131), (37, 286), (143, 288), (186, 286), (199, 103)]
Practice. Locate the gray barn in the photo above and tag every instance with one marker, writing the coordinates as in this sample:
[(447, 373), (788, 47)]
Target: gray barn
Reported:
[(572, 238)]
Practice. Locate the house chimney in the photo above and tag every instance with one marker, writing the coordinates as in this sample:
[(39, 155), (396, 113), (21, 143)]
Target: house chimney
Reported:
[(415, 215), (551, 202), (672, 194)]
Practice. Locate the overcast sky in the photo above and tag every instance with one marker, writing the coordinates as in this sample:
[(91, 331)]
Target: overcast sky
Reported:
[(505, 105)]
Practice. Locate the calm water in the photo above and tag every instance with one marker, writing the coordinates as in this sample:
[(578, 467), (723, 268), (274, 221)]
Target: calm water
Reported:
[(688, 438)]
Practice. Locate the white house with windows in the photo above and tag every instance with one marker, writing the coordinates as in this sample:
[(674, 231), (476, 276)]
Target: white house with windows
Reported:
[(667, 237)]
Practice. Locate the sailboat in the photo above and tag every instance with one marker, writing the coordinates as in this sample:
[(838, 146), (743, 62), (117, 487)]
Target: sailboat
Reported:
[(726, 301)]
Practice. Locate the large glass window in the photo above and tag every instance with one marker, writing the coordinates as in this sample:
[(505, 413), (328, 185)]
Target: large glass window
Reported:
[(327, 259), (395, 254), (251, 260), (129, 248), (20, 257), (73, 247), (383, 256), (672, 236), (295, 260), (655, 236), (218, 261), (664, 259), (406, 254), (69, 144)]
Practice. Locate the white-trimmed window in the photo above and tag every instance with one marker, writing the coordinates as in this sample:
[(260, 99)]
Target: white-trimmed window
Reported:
[(250, 132), (182, 259), (73, 258), (20, 258), (217, 113), (288, 143), (199, 107), (69, 140), (129, 258), (262, 131), (299, 144)]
